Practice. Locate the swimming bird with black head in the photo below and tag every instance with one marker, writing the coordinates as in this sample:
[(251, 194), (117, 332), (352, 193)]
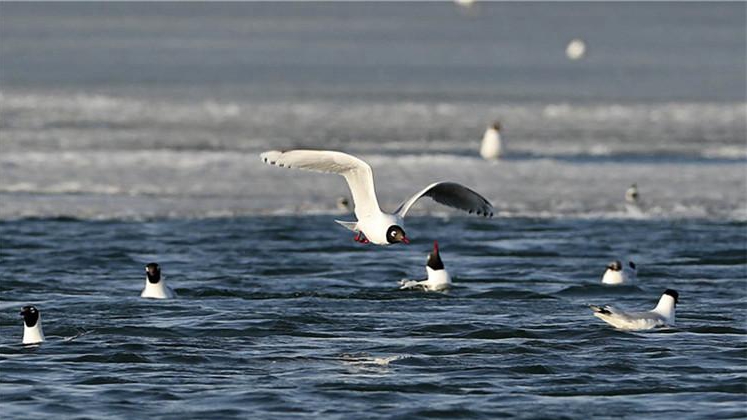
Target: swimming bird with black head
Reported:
[(32, 325), (155, 284), (662, 315), (438, 278), (619, 274)]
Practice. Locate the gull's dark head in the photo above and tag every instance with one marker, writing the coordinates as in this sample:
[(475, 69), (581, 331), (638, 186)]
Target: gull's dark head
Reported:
[(496, 126), (396, 234), (153, 272), (30, 315), (673, 294), (434, 258), (615, 266)]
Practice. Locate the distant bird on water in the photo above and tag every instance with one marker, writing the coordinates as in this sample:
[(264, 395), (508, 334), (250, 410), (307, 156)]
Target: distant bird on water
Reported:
[(632, 201), (343, 204), (576, 49), (617, 273), (492, 145), (464, 3), (631, 194)]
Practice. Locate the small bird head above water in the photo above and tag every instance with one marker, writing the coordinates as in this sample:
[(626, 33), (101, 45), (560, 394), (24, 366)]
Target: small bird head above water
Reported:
[(631, 194), (496, 126), (153, 272), (434, 258), (396, 234), (343, 203), (615, 266), (30, 315)]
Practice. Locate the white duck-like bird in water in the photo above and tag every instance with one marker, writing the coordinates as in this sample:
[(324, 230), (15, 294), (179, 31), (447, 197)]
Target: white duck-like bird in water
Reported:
[(492, 145), (155, 284), (631, 194), (438, 278), (662, 315), (374, 225), (32, 325), (618, 274)]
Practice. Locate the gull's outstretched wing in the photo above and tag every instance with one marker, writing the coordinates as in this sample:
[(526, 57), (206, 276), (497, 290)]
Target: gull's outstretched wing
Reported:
[(357, 173), (453, 195)]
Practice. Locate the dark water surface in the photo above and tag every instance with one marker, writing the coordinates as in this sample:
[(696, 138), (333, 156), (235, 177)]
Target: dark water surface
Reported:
[(287, 316)]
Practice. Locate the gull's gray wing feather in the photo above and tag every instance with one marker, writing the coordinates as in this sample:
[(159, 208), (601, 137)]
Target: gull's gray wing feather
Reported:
[(450, 194)]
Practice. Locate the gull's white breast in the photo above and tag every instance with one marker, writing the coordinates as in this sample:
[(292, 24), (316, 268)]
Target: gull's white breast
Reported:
[(157, 290)]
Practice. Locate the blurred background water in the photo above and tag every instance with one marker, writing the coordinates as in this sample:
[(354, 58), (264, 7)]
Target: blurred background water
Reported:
[(130, 132)]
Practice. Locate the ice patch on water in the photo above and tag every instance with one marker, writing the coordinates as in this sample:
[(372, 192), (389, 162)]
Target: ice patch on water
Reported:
[(81, 120), (726, 152), (107, 156), (168, 183)]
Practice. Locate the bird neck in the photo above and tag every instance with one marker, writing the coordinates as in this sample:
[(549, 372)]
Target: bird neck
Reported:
[(33, 335), (156, 288), (665, 307)]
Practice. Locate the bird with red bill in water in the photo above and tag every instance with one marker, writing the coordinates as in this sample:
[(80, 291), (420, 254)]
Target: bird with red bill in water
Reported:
[(438, 278)]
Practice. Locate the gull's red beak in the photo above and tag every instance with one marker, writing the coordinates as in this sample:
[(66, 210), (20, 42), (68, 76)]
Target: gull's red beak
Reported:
[(435, 247), (405, 240)]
